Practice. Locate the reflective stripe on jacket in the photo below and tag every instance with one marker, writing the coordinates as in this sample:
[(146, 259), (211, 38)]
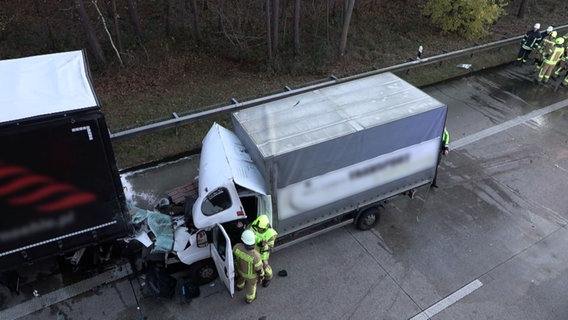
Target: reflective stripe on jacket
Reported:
[(247, 262), (269, 236), (445, 140), (555, 56), (531, 39)]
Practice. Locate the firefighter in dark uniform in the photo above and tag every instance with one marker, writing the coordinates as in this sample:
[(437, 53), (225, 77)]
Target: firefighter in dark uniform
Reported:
[(248, 265), (530, 41)]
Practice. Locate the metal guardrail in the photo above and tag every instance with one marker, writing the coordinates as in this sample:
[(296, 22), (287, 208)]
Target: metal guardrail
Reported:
[(177, 120)]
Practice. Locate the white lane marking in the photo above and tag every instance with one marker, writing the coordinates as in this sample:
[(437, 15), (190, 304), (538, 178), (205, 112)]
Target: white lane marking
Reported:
[(508, 124), (448, 301)]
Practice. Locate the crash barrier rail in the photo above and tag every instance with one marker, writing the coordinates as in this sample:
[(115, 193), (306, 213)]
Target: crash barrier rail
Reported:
[(235, 105)]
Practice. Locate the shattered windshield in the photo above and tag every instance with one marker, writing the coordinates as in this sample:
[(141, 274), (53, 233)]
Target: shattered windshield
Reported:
[(216, 201)]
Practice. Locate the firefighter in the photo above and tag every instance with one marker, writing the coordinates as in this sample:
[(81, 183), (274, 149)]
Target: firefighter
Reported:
[(565, 81), (265, 237), (563, 63), (248, 265), (545, 48), (529, 42), (444, 150), (551, 60), (546, 32)]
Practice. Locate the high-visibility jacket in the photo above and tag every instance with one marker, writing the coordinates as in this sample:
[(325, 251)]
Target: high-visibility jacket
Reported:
[(268, 236), (247, 262), (555, 55), (445, 140), (547, 45)]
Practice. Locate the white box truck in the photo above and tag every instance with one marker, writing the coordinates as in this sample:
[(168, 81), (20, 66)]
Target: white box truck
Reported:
[(311, 162)]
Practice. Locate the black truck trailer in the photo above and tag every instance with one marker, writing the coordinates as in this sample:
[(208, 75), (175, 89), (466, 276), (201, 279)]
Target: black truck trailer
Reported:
[(60, 189)]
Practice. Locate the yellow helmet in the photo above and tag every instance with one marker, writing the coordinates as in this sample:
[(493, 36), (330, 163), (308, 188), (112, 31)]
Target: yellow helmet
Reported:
[(554, 34), (262, 221), (560, 40)]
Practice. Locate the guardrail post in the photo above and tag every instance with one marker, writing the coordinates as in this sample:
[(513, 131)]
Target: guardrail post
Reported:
[(175, 116)]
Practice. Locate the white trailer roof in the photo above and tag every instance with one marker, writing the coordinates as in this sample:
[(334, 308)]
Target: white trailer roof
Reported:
[(44, 84), (320, 115)]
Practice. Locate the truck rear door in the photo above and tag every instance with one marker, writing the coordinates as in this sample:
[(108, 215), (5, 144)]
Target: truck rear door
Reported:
[(222, 254)]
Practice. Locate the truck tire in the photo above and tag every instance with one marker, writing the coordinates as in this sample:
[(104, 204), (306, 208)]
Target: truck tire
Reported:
[(203, 272), (368, 218)]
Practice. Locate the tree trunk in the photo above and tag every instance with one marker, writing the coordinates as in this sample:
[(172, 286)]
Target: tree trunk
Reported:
[(268, 28), (522, 9), (297, 27), (327, 20), (194, 20), (182, 14), (219, 8), (92, 39), (168, 17), (116, 25), (275, 30), (134, 18), (39, 11), (349, 4)]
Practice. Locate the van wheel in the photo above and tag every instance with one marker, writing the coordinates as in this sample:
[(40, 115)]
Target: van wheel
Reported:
[(368, 218), (202, 272)]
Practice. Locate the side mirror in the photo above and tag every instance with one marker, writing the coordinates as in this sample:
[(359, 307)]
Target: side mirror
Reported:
[(201, 239)]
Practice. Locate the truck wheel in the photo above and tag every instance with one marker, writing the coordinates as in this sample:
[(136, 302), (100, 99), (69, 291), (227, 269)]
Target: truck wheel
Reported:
[(368, 218), (202, 272)]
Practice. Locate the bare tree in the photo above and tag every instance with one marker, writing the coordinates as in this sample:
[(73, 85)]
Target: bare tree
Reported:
[(327, 6), (182, 12), (94, 2), (348, 5), (297, 26), (220, 13), (92, 39), (116, 25), (168, 17), (39, 11), (134, 18), (522, 9), (195, 30), (275, 29), (267, 16)]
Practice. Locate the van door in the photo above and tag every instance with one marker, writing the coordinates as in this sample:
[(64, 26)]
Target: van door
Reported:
[(218, 205), (222, 254)]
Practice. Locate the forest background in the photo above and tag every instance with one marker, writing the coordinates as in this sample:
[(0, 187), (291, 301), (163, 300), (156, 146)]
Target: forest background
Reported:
[(150, 58)]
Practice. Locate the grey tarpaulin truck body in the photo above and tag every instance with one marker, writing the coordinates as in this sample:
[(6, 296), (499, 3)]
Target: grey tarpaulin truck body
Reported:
[(337, 149), (59, 185)]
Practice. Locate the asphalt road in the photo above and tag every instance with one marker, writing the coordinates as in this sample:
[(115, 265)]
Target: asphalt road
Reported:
[(489, 243)]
